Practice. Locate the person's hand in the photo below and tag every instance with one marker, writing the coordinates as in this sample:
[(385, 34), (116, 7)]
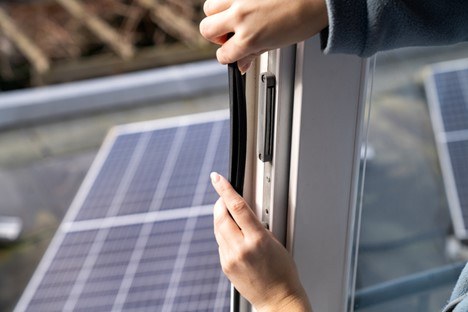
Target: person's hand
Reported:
[(260, 268), (259, 25)]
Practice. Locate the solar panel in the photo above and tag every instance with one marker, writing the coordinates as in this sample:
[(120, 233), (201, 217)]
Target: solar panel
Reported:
[(447, 89), (139, 234)]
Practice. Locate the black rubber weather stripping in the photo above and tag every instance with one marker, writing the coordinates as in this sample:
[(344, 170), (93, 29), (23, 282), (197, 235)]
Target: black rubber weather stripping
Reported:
[(238, 146)]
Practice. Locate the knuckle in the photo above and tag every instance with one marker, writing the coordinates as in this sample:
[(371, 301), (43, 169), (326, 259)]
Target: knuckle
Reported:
[(248, 42), (245, 254), (226, 269), (206, 7), (202, 27), (258, 244), (239, 12), (253, 246), (237, 205), (259, 241), (205, 29), (229, 266), (241, 48), (219, 221)]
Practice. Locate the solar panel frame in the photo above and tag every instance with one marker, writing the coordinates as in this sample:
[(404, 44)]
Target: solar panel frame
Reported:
[(443, 138), (69, 220)]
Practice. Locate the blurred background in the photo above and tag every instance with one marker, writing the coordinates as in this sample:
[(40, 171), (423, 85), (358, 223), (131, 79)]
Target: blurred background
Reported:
[(46, 42), (70, 70), (406, 228)]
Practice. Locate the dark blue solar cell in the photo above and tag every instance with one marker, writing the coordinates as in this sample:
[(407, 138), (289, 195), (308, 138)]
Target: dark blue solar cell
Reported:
[(153, 275), (143, 186), (184, 180), (110, 266), (452, 90), (459, 158), (104, 188)]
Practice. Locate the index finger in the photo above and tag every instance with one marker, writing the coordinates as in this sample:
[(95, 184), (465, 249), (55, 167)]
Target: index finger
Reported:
[(240, 211)]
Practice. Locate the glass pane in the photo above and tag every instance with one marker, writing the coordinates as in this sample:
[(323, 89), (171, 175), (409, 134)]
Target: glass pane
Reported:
[(405, 225)]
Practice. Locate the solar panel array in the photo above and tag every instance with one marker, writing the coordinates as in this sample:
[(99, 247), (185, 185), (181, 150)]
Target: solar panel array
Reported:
[(139, 235), (447, 88)]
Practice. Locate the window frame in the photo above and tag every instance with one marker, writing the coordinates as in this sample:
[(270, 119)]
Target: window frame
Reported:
[(318, 136)]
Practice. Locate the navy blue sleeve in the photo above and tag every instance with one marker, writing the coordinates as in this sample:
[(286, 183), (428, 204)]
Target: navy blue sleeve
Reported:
[(459, 299), (364, 27)]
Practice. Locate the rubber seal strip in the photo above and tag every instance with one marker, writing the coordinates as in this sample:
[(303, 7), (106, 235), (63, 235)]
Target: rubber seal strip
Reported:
[(238, 142)]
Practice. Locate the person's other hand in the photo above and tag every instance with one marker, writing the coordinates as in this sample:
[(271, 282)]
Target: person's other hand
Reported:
[(260, 25), (260, 267)]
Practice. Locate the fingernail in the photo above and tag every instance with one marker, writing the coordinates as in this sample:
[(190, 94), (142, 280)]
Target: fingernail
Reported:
[(214, 177)]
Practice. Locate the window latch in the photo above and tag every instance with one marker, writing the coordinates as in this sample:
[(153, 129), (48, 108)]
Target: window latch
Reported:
[(266, 117)]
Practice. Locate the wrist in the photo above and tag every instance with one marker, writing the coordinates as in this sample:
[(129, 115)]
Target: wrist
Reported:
[(290, 303)]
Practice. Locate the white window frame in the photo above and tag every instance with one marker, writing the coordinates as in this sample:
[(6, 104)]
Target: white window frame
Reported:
[(315, 167)]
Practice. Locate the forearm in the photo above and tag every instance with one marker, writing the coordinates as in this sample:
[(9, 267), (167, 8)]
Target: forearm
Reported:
[(364, 27)]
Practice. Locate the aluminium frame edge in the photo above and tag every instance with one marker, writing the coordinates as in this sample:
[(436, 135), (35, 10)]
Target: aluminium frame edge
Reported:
[(325, 151)]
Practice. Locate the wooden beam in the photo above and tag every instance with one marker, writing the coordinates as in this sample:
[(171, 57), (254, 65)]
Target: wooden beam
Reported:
[(99, 27), (172, 23), (25, 45), (106, 64)]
